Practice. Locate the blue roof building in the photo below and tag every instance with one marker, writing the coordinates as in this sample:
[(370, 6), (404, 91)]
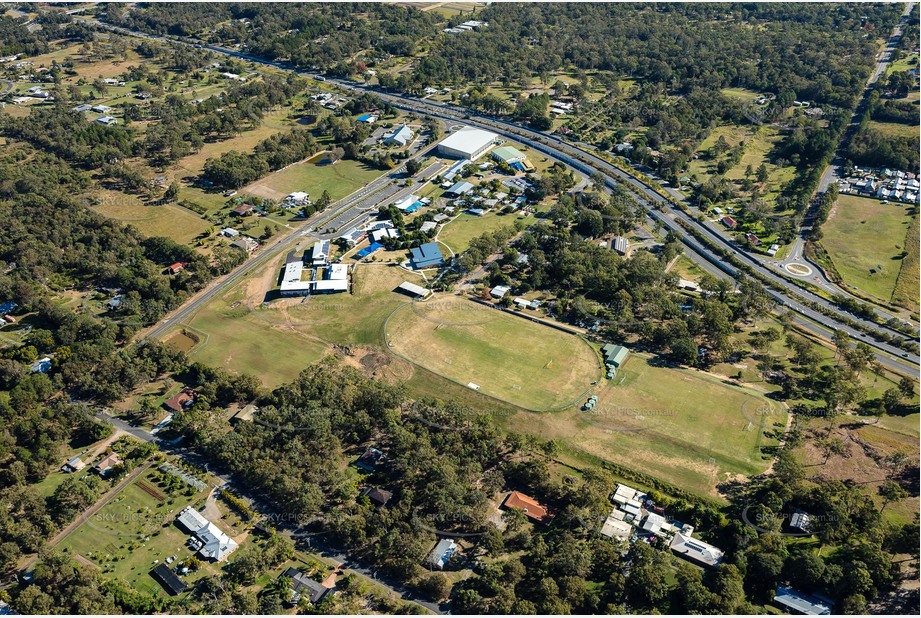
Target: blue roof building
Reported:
[(427, 256)]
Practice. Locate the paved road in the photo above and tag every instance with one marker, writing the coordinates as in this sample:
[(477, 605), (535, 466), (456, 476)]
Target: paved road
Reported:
[(313, 541), (330, 221), (833, 172), (581, 157)]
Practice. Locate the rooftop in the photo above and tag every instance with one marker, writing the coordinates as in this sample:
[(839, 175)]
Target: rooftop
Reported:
[(531, 507)]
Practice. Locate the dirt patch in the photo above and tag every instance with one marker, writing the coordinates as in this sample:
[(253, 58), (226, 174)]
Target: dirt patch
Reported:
[(855, 458), (182, 341)]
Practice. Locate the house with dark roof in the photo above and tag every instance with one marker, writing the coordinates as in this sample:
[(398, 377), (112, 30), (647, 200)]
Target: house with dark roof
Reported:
[(427, 256), (531, 507), (302, 586), (242, 210), (378, 496), (370, 459), (169, 580)]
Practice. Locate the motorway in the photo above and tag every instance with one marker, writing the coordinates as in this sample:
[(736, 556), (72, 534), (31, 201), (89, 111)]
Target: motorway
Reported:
[(833, 171), (580, 157)]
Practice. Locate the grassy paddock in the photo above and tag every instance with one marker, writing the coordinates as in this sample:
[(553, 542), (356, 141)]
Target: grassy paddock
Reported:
[(508, 357), (685, 427), (458, 233), (339, 179), (165, 220), (906, 286), (864, 233), (131, 531)]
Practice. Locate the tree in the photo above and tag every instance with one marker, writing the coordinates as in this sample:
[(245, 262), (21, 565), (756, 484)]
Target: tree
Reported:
[(891, 492), (762, 174), (413, 167), (172, 192), (907, 387)]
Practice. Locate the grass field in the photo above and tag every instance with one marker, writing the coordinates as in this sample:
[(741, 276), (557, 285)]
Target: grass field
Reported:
[(168, 220), (239, 333), (134, 529), (682, 426), (510, 358), (862, 234), (458, 233), (894, 129), (339, 179), (743, 94), (906, 286)]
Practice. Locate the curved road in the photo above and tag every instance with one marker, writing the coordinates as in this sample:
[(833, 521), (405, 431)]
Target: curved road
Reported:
[(791, 296)]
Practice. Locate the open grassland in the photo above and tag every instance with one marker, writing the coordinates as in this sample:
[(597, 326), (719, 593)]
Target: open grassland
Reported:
[(685, 427), (742, 94), (759, 142), (895, 129), (314, 176), (167, 220), (458, 233), (133, 530), (865, 239), (277, 340), (906, 286), (508, 357)]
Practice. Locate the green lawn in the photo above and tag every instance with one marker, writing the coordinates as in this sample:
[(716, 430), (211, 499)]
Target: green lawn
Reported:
[(314, 177), (865, 239), (685, 427), (743, 94), (508, 357), (458, 233), (276, 341), (895, 129), (133, 530)]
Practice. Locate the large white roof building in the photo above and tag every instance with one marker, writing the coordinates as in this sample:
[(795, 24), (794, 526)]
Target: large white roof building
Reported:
[(467, 143), (215, 543)]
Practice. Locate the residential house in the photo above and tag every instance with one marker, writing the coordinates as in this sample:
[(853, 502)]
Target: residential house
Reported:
[(229, 232), (107, 120), (499, 291), (177, 267), (242, 210), (800, 521), (214, 544), (729, 222), (110, 461), (441, 554), (620, 245), (531, 507), (181, 400), (303, 586), (695, 550), (803, 604), (246, 243), (377, 495), (371, 458)]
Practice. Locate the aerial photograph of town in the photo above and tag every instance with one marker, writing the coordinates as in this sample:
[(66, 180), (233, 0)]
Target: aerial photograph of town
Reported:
[(459, 308)]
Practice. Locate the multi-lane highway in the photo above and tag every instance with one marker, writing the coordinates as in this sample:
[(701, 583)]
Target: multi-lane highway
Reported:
[(834, 169), (581, 157)]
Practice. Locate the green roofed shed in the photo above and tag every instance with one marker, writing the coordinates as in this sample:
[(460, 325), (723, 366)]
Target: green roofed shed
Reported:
[(508, 154), (615, 354)]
